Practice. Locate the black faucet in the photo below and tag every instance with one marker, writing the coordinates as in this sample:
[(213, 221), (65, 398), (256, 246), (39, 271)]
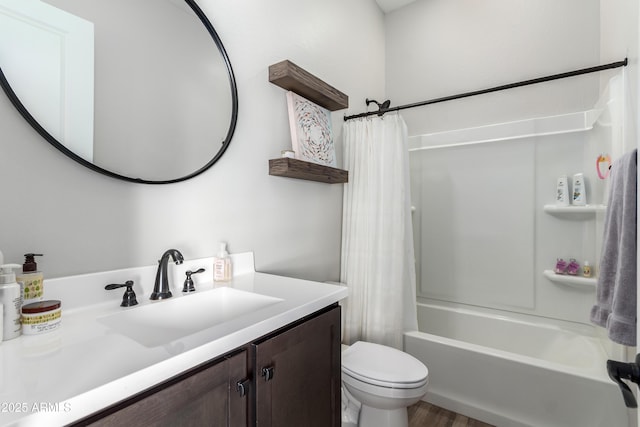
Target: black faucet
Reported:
[(161, 286)]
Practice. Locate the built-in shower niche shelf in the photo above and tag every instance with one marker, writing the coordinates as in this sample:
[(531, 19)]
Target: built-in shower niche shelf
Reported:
[(584, 283), (576, 210)]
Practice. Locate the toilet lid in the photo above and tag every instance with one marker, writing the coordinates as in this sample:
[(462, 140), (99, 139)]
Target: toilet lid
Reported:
[(382, 365)]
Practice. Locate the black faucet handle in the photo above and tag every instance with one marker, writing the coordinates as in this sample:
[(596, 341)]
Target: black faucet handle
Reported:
[(188, 282), (129, 297)]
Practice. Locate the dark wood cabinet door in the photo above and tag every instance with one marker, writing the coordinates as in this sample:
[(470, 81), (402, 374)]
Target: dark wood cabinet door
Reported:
[(204, 396), (297, 374)]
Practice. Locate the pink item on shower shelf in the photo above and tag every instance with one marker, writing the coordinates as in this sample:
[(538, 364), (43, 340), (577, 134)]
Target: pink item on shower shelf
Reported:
[(573, 267), (561, 266)]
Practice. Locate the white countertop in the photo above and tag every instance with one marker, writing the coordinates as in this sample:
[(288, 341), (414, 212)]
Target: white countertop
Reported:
[(65, 375)]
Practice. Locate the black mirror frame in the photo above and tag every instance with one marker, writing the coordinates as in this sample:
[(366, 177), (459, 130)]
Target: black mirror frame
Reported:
[(225, 144)]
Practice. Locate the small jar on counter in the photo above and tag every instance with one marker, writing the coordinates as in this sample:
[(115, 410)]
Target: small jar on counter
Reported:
[(40, 317)]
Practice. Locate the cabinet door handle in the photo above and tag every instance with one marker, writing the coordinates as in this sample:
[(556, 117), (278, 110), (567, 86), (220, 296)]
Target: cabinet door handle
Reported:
[(242, 387), (267, 373)]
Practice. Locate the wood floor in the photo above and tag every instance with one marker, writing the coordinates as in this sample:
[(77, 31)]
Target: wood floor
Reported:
[(424, 414)]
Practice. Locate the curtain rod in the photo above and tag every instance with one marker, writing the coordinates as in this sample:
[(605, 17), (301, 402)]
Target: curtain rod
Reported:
[(381, 110)]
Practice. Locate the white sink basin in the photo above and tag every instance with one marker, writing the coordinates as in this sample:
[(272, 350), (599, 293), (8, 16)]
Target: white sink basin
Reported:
[(165, 321)]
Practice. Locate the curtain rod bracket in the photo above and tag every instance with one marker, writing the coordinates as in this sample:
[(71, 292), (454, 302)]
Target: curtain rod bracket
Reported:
[(381, 106)]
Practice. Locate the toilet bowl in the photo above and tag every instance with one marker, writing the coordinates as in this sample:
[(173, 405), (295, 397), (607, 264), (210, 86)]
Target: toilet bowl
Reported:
[(385, 381)]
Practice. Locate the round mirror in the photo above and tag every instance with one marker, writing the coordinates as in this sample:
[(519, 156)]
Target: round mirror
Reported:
[(140, 90)]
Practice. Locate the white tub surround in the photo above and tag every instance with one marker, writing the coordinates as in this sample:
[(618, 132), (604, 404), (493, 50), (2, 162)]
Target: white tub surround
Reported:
[(513, 370), (500, 180), (56, 378)]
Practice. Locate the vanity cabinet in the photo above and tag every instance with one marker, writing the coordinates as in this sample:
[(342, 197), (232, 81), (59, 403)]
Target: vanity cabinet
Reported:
[(290, 377), (297, 373), (204, 396)]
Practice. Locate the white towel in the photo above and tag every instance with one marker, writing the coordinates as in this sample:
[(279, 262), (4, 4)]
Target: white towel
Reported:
[(615, 307)]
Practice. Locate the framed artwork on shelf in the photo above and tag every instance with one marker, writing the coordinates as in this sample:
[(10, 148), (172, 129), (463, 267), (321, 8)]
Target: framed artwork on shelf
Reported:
[(311, 133)]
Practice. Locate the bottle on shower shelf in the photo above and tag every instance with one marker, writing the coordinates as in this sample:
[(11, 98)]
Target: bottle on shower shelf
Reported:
[(586, 269), (579, 191), (562, 191), (573, 267)]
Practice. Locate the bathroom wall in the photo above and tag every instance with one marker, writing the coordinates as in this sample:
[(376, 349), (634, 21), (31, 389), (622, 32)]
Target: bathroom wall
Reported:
[(437, 48), (85, 222)]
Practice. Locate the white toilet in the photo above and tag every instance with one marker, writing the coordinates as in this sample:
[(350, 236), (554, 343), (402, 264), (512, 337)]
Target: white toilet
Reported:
[(385, 381)]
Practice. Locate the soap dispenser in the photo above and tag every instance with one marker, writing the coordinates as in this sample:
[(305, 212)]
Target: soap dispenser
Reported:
[(222, 265), (32, 280), (11, 299)]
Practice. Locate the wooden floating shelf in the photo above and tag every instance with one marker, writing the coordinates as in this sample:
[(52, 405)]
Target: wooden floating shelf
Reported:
[(294, 168), (289, 76)]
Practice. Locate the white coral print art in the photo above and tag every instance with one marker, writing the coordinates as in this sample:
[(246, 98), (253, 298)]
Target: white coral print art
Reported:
[(311, 134)]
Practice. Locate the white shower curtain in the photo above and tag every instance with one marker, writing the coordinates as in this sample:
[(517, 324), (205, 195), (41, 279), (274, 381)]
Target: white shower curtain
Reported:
[(378, 263)]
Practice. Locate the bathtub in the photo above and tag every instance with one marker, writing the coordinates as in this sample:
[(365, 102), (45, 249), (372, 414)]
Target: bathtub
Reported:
[(516, 371)]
